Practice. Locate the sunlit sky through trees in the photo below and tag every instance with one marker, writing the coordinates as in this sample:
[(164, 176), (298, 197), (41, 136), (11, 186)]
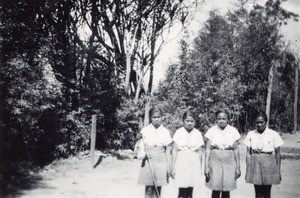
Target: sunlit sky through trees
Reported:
[(169, 53)]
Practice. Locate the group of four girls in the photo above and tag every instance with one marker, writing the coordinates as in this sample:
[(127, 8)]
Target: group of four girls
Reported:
[(222, 160)]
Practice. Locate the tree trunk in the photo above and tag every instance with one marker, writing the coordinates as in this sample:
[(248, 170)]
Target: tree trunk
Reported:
[(138, 89), (296, 98), (127, 77), (150, 80), (151, 65), (269, 96), (147, 109)]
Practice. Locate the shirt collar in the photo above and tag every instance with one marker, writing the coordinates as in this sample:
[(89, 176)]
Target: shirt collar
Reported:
[(187, 131), (152, 126), (225, 129), (266, 131)]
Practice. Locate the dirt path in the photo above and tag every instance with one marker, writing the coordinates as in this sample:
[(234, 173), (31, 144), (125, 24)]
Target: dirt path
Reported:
[(114, 178)]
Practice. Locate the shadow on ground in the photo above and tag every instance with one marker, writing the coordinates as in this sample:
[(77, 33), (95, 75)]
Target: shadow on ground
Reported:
[(15, 178), (99, 161), (120, 154)]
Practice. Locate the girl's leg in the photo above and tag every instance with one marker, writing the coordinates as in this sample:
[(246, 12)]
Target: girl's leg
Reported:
[(159, 190), (189, 193), (182, 193), (266, 191), (150, 192), (225, 194), (258, 191), (215, 194)]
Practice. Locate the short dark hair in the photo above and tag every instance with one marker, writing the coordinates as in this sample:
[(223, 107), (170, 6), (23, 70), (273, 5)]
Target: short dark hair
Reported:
[(155, 109), (188, 113), (263, 115), (222, 111)]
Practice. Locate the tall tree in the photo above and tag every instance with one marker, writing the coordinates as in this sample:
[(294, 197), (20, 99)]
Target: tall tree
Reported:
[(129, 34), (260, 46), (231, 60), (206, 75)]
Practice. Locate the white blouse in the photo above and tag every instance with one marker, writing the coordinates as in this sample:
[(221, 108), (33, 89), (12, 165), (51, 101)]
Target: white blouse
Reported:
[(222, 138), (156, 136), (186, 140), (265, 142)]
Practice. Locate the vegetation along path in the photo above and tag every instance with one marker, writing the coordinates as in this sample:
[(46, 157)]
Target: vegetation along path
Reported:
[(115, 175)]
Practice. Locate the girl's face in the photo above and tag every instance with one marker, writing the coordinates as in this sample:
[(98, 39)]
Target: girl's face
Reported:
[(222, 120), (156, 119), (261, 124), (189, 123)]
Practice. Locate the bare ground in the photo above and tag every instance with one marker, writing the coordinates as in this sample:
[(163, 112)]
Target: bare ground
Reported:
[(115, 175)]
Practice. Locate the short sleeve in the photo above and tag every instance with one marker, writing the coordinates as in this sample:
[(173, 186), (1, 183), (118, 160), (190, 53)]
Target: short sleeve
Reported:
[(277, 140), (247, 139), (168, 139), (209, 134), (201, 141), (176, 137), (143, 131), (236, 135)]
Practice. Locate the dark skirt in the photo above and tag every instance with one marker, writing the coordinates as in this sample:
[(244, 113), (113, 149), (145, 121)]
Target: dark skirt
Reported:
[(222, 167), (154, 169), (262, 170)]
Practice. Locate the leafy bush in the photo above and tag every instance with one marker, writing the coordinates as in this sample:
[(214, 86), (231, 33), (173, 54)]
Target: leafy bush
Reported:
[(130, 119), (74, 133)]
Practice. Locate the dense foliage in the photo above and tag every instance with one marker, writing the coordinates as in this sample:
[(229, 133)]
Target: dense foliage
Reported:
[(228, 67), (63, 61)]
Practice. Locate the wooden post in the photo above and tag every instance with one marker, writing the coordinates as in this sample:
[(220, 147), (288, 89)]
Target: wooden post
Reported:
[(93, 139), (296, 98)]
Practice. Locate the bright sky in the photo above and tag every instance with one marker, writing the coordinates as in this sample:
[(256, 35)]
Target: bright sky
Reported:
[(169, 53)]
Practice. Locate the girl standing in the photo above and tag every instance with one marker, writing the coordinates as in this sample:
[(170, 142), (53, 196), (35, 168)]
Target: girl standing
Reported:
[(222, 160), (187, 155), (263, 158), (155, 166)]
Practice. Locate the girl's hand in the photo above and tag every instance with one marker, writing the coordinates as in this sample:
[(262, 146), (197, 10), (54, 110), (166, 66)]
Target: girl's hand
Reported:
[(170, 167), (173, 173), (207, 174), (280, 175), (237, 173), (169, 170)]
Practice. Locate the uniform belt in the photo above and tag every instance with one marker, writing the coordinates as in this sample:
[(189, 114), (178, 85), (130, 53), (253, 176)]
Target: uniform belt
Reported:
[(190, 149), (261, 152), (153, 150), (218, 148)]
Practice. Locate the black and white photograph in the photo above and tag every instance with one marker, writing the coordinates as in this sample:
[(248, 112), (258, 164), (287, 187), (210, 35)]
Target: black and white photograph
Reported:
[(149, 99)]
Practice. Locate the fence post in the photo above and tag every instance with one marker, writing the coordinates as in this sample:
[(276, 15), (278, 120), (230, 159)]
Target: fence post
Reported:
[(93, 139)]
